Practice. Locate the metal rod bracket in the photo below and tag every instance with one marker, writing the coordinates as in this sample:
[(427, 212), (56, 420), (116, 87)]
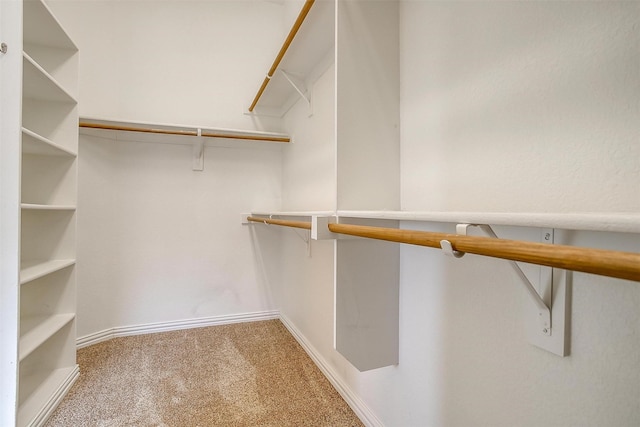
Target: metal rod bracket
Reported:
[(198, 153), (447, 248), (544, 312), (299, 87)]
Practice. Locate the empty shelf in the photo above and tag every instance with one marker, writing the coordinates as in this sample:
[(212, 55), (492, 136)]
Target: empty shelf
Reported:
[(36, 330), (32, 270), (32, 143)]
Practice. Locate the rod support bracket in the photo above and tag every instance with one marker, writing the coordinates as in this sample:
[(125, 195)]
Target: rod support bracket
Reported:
[(198, 153), (544, 311), (447, 248)]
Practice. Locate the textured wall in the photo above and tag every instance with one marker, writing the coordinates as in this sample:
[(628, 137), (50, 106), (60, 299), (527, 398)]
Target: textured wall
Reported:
[(521, 106), (516, 107)]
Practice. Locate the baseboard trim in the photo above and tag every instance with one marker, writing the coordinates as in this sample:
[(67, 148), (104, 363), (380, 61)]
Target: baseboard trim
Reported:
[(357, 405), (41, 418), (150, 328)]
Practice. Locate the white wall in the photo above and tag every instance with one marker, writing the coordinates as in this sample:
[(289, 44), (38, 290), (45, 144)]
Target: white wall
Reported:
[(308, 168), (158, 242), (309, 183), (10, 152), (505, 107), (173, 61), (520, 106), (526, 106)]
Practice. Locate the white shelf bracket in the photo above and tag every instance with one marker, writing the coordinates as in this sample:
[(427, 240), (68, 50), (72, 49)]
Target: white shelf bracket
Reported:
[(198, 153), (300, 88), (306, 238), (544, 312)]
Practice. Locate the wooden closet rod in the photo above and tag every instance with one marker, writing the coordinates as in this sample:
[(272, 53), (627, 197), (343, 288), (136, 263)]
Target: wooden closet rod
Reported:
[(185, 132), (281, 222), (622, 265), (294, 30)]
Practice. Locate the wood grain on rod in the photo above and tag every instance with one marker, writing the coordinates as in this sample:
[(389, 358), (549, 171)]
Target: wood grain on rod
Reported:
[(285, 46), (186, 132), (251, 137), (281, 222), (265, 82), (622, 265), (138, 129)]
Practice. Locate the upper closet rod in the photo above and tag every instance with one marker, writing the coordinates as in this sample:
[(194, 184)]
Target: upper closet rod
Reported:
[(185, 132), (622, 265), (294, 30), (282, 222)]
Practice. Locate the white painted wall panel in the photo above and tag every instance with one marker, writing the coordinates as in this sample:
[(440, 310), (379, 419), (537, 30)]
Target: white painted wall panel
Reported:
[(308, 167), (520, 106), (515, 107), (184, 62), (367, 110), (160, 242)]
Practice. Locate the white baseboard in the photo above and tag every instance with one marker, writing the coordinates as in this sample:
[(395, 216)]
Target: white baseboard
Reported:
[(357, 405), (150, 328), (41, 418)]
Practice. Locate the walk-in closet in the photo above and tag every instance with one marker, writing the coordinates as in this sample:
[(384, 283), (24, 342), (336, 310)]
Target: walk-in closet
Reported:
[(390, 213)]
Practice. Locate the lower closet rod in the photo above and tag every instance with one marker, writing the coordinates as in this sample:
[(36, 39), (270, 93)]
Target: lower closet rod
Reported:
[(622, 265), (281, 222)]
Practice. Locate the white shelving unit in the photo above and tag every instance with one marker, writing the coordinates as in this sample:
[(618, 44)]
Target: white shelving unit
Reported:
[(362, 39), (48, 222)]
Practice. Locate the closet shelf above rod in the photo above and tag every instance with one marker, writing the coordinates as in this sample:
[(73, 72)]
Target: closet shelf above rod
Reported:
[(620, 222), (283, 50), (182, 130)]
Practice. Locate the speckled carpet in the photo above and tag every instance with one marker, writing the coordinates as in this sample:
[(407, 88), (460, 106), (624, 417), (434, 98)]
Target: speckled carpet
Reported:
[(246, 374)]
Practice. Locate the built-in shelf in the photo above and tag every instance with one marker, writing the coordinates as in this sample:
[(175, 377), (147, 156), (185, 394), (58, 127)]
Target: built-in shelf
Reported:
[(624, 222), (32, 270), (308, 55), (36, 330), (620, 222), (172, 133), (41, 207), (51, 389), (293, 213), (39, 84), (48, 195), (33, 143)]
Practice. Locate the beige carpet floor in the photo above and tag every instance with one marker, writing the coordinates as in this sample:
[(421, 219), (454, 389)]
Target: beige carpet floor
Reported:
[(246, 374)]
